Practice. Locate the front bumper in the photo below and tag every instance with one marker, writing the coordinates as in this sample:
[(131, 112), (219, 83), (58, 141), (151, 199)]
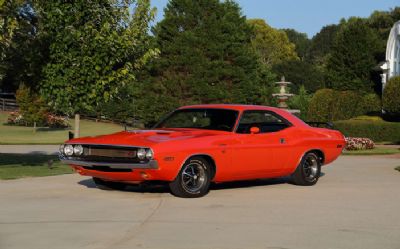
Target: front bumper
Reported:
[(152, 164)]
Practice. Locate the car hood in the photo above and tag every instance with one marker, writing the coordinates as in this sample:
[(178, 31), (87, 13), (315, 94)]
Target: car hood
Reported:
[(145, 138)]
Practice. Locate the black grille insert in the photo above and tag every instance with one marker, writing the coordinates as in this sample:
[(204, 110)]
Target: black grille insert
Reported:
[(106, 169)]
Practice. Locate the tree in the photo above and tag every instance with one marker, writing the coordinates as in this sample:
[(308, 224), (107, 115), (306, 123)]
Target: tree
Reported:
[(300, 40), (301, 73), (381, 22), (321, 45), (205, 57), (353, 56), (27, 53), (95, 48), (272, 45)]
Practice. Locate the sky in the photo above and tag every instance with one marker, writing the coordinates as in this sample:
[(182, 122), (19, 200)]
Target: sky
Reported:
[(306, 16)]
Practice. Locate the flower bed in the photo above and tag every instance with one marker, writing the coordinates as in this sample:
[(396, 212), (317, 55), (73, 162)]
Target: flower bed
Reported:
[(52, 121), (359, 143)]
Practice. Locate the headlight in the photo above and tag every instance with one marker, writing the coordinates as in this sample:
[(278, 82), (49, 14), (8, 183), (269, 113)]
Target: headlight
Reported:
[(61, 149), (141, 153), (149, 154), (68, 150), (78, 150)]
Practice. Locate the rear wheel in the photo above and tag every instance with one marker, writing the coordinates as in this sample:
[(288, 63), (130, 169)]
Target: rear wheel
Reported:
[(193, 180), (108, 185), (308, 171)]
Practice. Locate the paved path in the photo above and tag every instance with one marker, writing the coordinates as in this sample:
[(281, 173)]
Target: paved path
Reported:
[(30, 149), (356, 204)]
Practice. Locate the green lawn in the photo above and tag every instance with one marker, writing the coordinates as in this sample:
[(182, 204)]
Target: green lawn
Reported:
[(25, 135), (375, 151), (13, 166)]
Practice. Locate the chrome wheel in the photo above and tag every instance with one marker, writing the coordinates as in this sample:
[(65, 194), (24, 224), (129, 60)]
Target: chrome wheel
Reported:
[(193, 176), (310, 167), (308, 171)]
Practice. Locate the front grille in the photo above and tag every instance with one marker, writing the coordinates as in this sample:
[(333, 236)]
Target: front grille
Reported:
[(108, 154)]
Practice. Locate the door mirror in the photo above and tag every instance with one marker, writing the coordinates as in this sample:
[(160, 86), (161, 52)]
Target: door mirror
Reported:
[(254, 130)]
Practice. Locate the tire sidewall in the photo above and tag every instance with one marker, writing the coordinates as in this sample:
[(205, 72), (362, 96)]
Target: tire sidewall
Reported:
[(177, 188), (315, 179)]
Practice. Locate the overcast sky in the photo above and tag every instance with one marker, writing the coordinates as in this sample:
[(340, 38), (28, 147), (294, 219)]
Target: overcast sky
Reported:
[(307, 16)]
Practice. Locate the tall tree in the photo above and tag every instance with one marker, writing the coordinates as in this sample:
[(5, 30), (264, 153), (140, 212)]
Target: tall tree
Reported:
[(272, 45), (321, 45), (95, 48), (205, 57), (353, 56), (300, 40)]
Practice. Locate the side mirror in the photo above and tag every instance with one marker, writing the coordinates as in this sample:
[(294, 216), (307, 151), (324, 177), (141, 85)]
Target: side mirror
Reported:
[(254, 130)]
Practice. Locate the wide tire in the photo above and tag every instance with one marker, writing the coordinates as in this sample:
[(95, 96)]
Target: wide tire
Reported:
[(193, 179), (107, 185), (308, 171)]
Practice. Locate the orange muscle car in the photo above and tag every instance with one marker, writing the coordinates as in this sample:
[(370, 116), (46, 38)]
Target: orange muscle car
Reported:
[(196, 145)]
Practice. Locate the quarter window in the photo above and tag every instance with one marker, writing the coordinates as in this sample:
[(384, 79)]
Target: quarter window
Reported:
[(266, 121)]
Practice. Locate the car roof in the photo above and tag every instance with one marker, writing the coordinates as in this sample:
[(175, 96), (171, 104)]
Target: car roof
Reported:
[(240, 107)]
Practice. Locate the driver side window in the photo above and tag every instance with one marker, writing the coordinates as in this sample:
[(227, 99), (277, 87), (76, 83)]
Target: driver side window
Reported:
[(266, 121)]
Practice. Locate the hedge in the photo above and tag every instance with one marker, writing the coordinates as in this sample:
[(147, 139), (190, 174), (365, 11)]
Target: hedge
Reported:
[(330, 105), (378, 131), (391, 96)]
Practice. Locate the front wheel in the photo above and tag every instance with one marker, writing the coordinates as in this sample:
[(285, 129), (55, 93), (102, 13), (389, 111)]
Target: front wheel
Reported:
[(193, 180), (108, 185), (308, 171)]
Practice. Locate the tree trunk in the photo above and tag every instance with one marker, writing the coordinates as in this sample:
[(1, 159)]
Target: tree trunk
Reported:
[(77, 128)]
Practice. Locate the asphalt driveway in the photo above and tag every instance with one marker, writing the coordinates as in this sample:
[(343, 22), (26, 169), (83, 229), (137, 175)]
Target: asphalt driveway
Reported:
[(356, 204)]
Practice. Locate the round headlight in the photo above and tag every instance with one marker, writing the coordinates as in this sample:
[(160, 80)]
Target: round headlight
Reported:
[(68, 150), (78, 150), (141, 153), (149, 154), (61, 149)]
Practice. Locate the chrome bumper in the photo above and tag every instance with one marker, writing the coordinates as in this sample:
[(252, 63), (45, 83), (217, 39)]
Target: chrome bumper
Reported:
[(152, 164)]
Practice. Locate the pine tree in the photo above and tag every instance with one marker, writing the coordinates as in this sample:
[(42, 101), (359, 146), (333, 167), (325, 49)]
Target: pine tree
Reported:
[(205, 57), (353, 57)]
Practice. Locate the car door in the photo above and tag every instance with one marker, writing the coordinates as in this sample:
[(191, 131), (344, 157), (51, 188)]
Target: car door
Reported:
[(261, 154)]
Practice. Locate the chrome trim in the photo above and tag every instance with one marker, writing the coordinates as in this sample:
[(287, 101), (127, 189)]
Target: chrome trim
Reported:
[(152, 164), (111, 145)]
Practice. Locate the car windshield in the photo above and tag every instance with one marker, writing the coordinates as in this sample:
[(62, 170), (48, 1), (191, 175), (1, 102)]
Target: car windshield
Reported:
[(208, 119)]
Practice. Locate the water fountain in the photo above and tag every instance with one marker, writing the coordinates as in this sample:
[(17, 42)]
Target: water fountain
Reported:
[(283, 95)]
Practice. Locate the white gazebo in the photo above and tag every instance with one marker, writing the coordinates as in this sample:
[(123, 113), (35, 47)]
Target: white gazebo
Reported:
[(391, 67)]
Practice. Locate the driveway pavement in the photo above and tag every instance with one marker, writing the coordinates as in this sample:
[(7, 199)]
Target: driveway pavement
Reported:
[(356, 204)]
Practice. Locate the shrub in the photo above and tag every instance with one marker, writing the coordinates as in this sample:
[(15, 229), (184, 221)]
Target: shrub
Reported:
[(51, 120), (391, 96), (371, 103), (32, 107), (348, 104), (359, 143), (330, 105), (301, 102), (378, 131), (320, 107)]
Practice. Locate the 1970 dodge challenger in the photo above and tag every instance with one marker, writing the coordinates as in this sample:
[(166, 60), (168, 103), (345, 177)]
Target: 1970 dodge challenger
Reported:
[(196, 145)]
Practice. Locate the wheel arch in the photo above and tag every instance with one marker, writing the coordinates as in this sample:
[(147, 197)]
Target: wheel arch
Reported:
[(319, 153), (208, 158)]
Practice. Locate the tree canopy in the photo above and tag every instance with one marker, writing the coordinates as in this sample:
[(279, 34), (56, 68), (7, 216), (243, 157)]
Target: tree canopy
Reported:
[(205, 57), (272, 45), (300, 40), (352, 57), (95, 48)]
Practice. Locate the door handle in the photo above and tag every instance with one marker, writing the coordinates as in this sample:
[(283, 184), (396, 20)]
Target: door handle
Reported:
[(282, 140)]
